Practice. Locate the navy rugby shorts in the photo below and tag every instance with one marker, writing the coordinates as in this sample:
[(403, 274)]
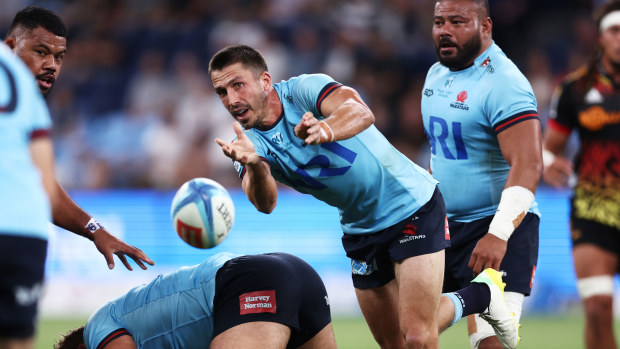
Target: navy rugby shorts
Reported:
[(274, 287), (22, 266), (600, 235), (518, 265), (373, 255)]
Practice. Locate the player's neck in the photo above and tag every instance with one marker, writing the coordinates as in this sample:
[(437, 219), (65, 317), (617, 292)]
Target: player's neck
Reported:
[(612, 69), (273, 109)]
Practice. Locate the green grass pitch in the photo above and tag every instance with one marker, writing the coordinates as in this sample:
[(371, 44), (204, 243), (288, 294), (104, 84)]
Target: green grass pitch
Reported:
[(352, 333)]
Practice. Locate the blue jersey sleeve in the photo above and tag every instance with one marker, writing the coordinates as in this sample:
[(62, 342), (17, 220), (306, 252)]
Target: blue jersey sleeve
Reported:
[(311, 90), (101, 328), (510, 100)]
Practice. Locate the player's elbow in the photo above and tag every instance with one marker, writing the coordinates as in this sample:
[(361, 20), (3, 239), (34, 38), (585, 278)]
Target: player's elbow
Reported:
[(266, 208)]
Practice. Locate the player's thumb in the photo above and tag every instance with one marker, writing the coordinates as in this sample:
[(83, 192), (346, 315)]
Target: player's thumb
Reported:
[(238, 129)]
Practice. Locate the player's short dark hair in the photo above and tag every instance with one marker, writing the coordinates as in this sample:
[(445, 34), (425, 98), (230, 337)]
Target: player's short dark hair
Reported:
[(32, 17), (246, 55), (484, 4), (72, 339), (604, 10)]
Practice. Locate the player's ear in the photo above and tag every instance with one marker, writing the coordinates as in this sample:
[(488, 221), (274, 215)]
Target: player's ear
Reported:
[(487, 26), (10, 42), (265, 79)]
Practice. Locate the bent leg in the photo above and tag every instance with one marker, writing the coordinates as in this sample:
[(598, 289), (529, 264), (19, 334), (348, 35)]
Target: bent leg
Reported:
[(420, 282), (260, 334), (380, 309), (593, 266)]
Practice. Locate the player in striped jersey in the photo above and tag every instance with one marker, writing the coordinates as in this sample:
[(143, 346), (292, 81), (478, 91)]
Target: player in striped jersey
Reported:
[(480, 115), (588, 101)]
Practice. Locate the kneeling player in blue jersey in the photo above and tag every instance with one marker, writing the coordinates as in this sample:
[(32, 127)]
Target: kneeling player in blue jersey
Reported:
[(272, 300), (317, 136)]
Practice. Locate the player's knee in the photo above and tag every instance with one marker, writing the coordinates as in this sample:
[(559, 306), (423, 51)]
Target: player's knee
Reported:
[(598, 311), (421, 337), (600, 285)]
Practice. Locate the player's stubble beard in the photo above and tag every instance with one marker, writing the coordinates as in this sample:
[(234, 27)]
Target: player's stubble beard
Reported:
[(465, 54), (257, 107)]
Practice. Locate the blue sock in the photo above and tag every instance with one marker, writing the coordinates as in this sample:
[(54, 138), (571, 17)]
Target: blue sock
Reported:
[(472, 299)]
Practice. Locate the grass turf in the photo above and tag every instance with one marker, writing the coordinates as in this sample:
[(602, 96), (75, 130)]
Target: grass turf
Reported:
[(352, 333)]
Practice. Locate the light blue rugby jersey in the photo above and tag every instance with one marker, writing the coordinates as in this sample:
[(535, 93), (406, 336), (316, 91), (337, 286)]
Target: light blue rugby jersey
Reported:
[(463, 112), (174, 311), (371, 183), (24, 205)]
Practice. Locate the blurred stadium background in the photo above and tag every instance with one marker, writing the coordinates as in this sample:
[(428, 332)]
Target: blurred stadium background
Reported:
[(135, 116)]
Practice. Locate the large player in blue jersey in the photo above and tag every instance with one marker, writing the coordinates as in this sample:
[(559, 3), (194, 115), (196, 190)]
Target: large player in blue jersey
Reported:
[(317, 136), (26, 186), (480, 116), (39, 37), (268, 301)]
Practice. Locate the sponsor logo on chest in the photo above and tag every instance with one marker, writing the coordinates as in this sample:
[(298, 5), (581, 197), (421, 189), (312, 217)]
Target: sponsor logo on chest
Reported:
[(460, 101)]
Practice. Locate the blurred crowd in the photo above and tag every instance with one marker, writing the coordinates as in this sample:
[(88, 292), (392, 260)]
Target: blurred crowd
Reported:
[(134, 106)]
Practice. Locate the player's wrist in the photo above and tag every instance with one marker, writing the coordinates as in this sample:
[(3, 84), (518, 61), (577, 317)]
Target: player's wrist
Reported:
[(513, 206), (547, 158), (327, 134), (92, 226)]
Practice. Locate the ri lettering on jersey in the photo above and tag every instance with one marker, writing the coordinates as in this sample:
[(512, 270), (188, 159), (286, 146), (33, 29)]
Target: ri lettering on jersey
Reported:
[(463, 112), (24, 205), (371, 183), (174, 311)]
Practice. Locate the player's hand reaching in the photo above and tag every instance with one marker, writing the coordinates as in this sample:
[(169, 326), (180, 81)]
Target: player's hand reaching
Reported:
[(558, 173), (241, 149), (109, 245), (488, 253), (313, 131)]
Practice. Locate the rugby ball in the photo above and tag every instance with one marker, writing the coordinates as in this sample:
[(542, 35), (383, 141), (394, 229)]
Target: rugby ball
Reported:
[(202, 212)]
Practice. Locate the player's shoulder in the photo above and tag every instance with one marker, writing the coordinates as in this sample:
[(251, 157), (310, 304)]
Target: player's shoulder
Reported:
[(574, 76), (13, 65)]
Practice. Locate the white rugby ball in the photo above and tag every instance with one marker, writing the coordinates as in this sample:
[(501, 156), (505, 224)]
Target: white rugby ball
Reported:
[(202, 212)]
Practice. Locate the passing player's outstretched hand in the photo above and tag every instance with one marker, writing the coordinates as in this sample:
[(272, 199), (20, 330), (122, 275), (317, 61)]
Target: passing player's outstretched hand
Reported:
[(488, 253), (241, 149), (109, 245)]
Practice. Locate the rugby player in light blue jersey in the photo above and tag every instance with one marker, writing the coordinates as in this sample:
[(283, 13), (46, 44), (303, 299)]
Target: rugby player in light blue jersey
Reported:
[(317, 136), (481, 118), (268, 301), (39, 37), (26, 185)]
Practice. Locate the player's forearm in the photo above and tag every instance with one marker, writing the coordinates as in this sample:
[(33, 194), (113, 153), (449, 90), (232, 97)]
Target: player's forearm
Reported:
[(260, 187), (68, 215), (525, 173), (346, 113), (349, 119)]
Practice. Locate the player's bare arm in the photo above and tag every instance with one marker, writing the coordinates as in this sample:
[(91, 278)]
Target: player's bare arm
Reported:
[(68, 215), (42, 153), (346, 115), (557, 169), (521, 146), (258, 183)]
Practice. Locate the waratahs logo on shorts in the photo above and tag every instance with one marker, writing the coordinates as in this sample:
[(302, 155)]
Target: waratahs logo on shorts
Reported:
[(428, 92), (277, 138), (460, 101), (410, 232)]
